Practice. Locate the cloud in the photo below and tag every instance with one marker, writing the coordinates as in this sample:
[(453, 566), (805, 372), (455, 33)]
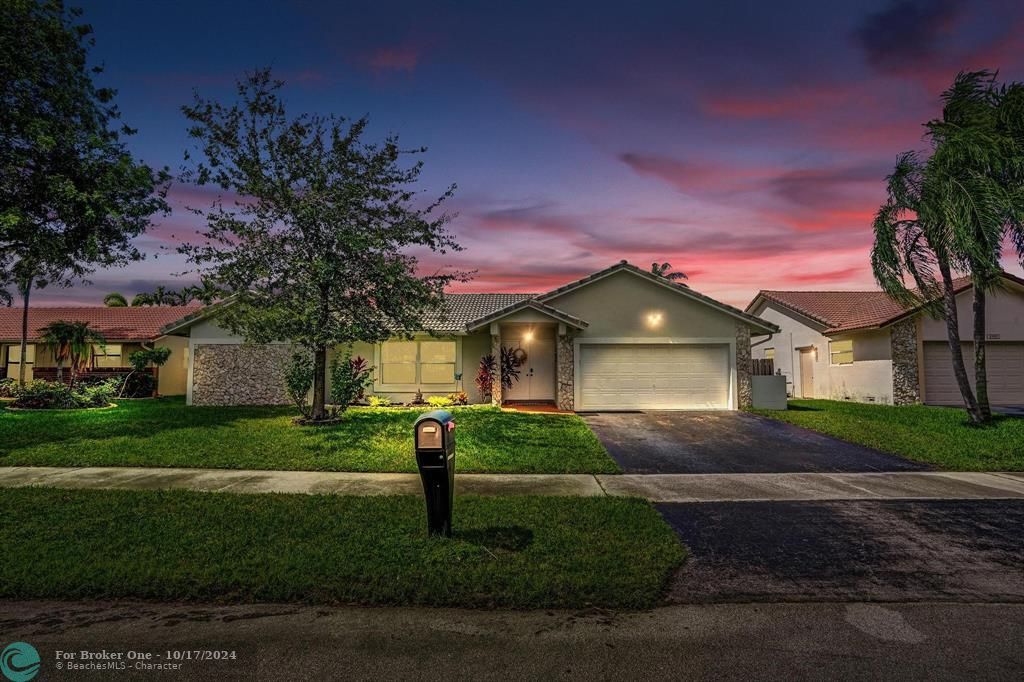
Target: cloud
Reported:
[(394, 58), (908, 34)]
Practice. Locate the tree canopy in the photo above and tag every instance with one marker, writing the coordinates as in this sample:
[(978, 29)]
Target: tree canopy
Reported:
[(318, 243)]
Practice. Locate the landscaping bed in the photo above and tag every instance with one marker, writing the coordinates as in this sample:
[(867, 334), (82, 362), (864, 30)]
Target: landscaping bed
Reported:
[(167, 433), (935, 435), (522, 552)]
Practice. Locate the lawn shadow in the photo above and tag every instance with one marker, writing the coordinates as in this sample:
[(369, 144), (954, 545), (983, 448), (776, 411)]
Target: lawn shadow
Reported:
[(803, 408), (507, 538)]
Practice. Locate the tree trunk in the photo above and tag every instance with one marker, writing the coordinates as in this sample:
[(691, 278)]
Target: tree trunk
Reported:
[(953, 335), (320, 384), (980, 372), (25, 293)]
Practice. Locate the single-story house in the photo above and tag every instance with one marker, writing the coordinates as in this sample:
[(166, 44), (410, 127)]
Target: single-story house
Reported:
[(864, 346), (126, 330), (621, 338)]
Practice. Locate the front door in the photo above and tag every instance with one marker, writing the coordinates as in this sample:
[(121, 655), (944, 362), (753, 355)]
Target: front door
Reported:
[(537, 373), (806, 372)]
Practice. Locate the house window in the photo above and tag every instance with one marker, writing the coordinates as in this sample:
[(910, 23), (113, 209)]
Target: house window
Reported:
[(841, 352), (769, 353), (107, 356), (14, 355), (428, 362)]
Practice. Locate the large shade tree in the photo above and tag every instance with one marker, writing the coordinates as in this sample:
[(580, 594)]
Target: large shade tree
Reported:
[(317, 245), (71, 196), (954, 210)]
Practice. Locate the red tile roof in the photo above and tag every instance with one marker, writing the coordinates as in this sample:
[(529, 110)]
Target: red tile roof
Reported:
[(116, 324), (844, 311)]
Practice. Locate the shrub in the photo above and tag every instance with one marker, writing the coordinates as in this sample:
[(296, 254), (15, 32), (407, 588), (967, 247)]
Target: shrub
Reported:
[(7, 387), (459, 398), (41, 394), (439, 401), (56, 395), (298, 380), (485, 377), (379, 401), (349, 380), (96, 394)]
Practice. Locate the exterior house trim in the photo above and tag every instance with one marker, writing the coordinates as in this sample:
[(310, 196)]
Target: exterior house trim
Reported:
[(561, 316)]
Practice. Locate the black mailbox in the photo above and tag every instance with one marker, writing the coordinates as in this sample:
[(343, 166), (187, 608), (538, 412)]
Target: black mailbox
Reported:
[(434, 438)]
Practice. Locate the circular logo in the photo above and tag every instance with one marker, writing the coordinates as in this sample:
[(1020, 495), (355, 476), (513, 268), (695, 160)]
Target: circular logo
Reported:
[(19, 662)]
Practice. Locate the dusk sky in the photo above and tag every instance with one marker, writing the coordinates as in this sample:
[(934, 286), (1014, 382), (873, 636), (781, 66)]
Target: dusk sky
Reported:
[(744, 142)]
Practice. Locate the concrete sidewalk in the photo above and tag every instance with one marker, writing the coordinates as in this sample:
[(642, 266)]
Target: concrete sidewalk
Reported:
[(655, 487)]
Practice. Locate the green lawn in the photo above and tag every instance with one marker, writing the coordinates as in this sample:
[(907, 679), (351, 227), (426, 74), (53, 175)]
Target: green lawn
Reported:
[(936, 435), (166, 433), (522, 552)]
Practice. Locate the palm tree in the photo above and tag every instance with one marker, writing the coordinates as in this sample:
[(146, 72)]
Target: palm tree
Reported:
[(665, 270), (70, 342), (115, 300), (162, 296), (953, 210), (206, 292)]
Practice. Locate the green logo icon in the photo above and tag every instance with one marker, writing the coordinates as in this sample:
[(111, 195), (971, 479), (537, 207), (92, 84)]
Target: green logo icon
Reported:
[(19, 662)]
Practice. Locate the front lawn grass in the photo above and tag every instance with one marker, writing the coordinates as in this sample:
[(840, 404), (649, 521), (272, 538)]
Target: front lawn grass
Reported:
[(167, 433), (935, 435), (517, 552)]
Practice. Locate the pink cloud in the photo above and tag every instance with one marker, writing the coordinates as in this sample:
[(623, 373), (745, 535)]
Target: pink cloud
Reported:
[(394, 58)]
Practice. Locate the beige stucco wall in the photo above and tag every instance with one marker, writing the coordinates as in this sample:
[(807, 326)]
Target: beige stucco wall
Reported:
[(173, 377), (868, 379), (1004, 317), (619, 305)]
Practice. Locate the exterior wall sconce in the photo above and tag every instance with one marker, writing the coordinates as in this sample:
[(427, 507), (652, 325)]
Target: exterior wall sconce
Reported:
[(654, 320)]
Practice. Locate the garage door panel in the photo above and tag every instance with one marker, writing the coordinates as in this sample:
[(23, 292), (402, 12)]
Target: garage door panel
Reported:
[(1005, 364), (645, 376)]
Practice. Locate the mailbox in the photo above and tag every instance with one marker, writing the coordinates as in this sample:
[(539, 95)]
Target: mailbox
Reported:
[(434, 440)]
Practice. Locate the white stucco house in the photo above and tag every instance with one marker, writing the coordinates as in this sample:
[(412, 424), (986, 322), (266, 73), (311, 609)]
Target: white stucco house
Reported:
[(863, 346), (621, 338)]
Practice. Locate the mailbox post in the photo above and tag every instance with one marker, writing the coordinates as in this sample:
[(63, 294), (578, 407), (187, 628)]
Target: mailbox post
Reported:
[(434, 437)]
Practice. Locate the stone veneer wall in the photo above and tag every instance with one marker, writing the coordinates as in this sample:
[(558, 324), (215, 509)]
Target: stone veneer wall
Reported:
[(236, 374), (566, 372), (906, 386), (496, 384), (744, 367)]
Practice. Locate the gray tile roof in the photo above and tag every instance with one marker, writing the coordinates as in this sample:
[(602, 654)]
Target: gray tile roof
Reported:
[(461, 309)]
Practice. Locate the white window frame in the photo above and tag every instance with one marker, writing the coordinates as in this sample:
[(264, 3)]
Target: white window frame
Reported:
[(833, 353), (380, 387)]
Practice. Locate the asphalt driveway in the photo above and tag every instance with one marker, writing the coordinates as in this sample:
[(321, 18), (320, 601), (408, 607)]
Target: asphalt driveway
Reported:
[(892, 550), (729, 443)]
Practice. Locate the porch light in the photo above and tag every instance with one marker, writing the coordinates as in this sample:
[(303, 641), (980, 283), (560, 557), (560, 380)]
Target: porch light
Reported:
[(528, 336), (654, 320)]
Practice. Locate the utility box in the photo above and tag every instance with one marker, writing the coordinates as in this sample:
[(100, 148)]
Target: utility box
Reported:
[(434, 441)]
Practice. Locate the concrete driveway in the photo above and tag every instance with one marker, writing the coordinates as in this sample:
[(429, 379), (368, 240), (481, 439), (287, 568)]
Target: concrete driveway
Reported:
[(892, 550), (729, 442)]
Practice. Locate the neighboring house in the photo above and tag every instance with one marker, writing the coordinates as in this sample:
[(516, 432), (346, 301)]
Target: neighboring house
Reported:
[(125, 329), (863, 346), (621, 338)]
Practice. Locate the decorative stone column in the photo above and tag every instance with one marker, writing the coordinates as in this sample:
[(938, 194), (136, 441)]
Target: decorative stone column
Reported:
[(906, 386), (744, 367), (566, 372), (496, 354)]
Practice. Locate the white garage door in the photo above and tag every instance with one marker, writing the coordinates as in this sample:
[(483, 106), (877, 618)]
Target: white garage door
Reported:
[(644, 376), (1004, 361)]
